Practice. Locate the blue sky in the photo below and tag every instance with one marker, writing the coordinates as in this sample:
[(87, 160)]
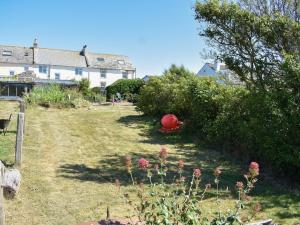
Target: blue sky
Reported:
[(153, 33)]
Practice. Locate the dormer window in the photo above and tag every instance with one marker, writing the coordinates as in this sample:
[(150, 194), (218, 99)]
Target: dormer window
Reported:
[(100, 59), (121, 62), (7, 53)]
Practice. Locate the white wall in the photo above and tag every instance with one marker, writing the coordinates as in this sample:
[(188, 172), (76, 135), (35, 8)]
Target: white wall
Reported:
[(111, 76), (68, 73), (6, 68)]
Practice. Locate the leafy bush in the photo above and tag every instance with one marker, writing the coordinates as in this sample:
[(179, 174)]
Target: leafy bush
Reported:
[(84, 86), (91, 94), (55, 96), (251, 125), (165, 94), (128, 88), (181, 202)]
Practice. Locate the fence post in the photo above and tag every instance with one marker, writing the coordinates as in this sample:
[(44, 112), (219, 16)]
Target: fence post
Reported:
[(2, 215), (19, 139)]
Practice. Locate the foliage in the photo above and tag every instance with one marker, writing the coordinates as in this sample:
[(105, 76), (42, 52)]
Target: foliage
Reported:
[(55, 96), (259, 41), (128, 88), (288, 8), (84, 86), (248, 124), (91, 94), (164, 94), (254, 47), (181, 202)]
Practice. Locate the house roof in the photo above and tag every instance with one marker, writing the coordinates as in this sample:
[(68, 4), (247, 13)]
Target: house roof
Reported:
[(212, 66), (108, 61), (21, 55), (60, 57)]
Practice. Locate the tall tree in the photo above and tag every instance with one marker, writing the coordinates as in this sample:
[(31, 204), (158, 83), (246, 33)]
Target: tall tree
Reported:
[(255, 45), (289, 8)]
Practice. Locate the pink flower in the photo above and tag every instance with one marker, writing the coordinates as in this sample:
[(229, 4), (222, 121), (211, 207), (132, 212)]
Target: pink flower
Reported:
[(163, 153), (254, 169), (197, 173), (239, 185), (217, 172), (180, 164), (143, 163)]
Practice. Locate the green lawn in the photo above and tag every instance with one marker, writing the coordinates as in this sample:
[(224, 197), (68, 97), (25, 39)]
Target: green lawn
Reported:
[(7, 142), (71, 157)]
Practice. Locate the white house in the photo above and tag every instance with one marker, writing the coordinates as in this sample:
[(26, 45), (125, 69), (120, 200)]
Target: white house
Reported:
[(213, 69), (65, 65), (216, 69)]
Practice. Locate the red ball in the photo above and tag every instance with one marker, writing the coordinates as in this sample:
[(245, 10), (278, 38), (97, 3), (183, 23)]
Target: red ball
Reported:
[(169, 121)]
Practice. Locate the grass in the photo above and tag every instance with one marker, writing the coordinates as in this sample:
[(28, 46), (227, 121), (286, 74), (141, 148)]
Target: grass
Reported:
[(7, 142), (71, 158)]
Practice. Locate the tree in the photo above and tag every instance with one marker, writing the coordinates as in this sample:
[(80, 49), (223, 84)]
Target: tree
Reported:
[(253, 45), (288, 8)]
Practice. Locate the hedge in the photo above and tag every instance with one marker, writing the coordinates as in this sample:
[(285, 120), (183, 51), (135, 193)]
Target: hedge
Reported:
[(128, 88), (251, 125)]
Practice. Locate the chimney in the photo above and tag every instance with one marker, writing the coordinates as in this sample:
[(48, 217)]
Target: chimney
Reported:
[(83, 51), (35, 43)]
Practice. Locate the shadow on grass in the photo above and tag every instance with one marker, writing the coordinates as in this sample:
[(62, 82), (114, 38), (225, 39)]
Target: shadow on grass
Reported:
[(8, 132), (195, 155)]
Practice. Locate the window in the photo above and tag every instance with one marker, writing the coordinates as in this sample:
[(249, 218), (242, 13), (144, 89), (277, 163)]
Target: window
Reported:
[(103, 73), (121, 62), (78, 71), (125, 75), (43, 69), (26, 68), (57, 76), (7, 53), (11, 73), (100, 59), (26, 54), (103, 85)]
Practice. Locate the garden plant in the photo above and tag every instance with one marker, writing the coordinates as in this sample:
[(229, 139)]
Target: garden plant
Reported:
[(178, 200)]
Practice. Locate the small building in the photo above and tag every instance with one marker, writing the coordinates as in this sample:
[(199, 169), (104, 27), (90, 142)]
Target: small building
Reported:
[(216, 70), (64, 66)]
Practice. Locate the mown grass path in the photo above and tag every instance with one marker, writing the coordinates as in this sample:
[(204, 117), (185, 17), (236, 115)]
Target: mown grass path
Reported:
[(72, 157)]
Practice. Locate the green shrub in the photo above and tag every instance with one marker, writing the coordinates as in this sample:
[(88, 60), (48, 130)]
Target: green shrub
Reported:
[(252, 125), (178, 200), (165, 94), (84, 86), (55, 96), (128, 88)]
